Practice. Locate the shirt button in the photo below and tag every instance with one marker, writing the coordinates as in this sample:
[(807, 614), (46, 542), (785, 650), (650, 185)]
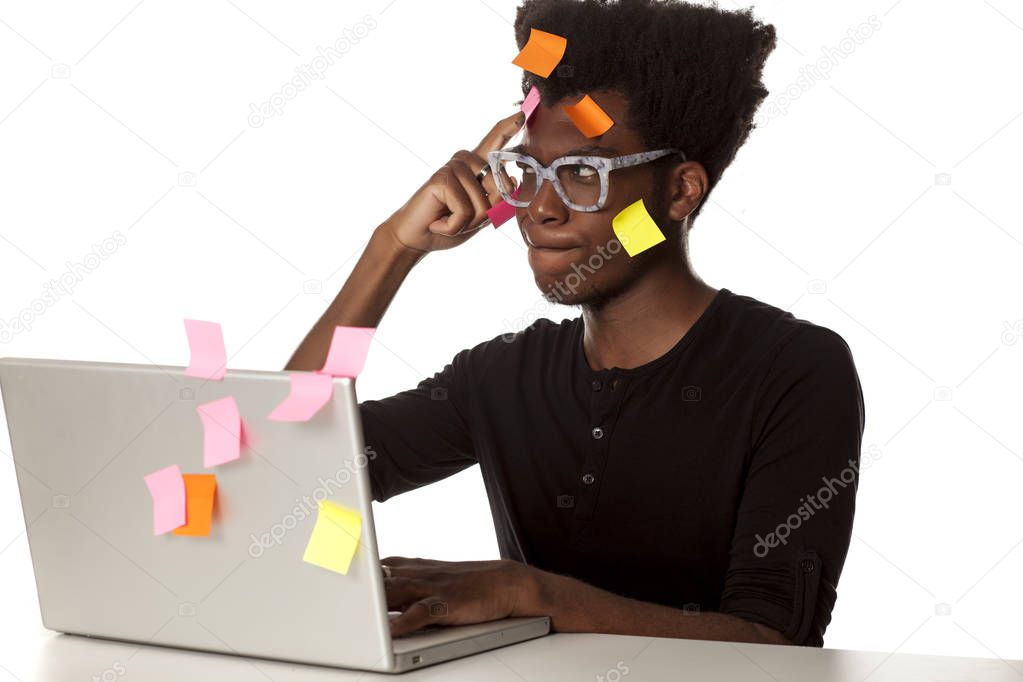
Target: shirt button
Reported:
[(597, 432), (588, 479), (807, 566), (596, 385)]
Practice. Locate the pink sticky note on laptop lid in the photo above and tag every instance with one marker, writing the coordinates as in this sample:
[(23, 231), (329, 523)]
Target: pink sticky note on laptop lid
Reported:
[(222, 431), (348, 349), (309, 393), (209, 357), (167, 487)]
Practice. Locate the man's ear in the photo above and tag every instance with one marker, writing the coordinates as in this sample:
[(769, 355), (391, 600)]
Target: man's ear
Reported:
[(687, 185)]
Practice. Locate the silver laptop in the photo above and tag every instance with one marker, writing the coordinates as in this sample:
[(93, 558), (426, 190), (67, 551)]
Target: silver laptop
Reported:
[(83, 436)]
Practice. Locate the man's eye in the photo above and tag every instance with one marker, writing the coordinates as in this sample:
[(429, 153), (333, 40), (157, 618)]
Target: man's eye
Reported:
[(583, 172)]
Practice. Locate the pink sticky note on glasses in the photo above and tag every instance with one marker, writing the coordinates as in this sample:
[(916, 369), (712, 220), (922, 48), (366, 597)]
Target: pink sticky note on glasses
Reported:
[(502, 211), (209, 357), (167, 487), (531, 102), (348, 349), (309, 392), (222, 431)]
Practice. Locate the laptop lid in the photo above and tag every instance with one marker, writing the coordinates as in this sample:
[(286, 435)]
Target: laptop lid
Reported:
[(83, 436)]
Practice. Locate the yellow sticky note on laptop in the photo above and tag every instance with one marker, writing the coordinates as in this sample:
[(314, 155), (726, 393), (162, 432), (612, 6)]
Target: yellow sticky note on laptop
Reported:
[(635, 229), (335, 538)]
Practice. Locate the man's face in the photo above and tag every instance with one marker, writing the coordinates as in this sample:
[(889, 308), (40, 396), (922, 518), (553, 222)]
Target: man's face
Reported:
[(575, 257)]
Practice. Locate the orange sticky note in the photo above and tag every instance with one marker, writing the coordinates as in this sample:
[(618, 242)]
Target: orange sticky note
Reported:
[(200, 491), (541, 53), (588, 117)]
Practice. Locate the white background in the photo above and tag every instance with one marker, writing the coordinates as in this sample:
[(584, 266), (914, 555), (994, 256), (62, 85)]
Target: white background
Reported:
[(883, 202)]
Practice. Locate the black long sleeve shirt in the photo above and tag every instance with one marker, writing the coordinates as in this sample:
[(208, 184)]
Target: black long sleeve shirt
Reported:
[(718, 477)]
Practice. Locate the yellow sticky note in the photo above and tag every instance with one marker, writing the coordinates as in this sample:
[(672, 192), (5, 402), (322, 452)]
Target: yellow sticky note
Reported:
[(335, 538), (635, 229), (588, 117), (200, 491), (541, 53)]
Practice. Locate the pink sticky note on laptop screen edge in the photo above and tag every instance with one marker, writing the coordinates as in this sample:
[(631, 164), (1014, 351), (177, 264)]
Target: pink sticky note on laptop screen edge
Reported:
[(348, 349), (222, 431), (209, 357), (167, 487), (309, 393)]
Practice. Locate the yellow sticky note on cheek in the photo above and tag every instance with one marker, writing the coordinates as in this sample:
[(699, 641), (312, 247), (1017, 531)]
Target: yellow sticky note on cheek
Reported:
[(335, 538), (635, 229)]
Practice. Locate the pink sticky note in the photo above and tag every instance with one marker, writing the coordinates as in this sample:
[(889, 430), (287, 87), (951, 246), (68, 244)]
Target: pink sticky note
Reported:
[(167, 487), (502, 211), (222, 431), (348, 349), (531, 102), (209, 357), (309, 392)]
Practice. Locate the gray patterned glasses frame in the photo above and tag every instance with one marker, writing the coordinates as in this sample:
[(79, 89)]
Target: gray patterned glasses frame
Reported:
[(502, 160)]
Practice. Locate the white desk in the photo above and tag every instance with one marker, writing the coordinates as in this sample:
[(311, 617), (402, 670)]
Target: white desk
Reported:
[(29, 653), (47, 657)]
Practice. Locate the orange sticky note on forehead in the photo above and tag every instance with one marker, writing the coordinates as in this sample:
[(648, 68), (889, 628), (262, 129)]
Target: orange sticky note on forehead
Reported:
[(541, 53), (588, 117), (200, 491)]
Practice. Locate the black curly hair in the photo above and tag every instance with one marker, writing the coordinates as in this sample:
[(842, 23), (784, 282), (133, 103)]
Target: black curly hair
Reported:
[(691, 73)]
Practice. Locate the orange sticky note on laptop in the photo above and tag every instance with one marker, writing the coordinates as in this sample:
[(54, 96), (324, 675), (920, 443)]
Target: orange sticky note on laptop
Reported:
[(588, 117), (200, 491), (541, 53)]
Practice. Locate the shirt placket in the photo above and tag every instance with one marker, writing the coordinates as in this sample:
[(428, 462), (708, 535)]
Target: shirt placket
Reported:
[(606, 391)]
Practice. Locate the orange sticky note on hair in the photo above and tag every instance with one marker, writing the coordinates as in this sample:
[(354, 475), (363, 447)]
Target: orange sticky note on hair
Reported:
[(200, 491), (541, 53), (588, 117)]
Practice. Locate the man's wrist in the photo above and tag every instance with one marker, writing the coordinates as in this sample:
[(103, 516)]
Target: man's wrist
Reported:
[(386, 243), (530, 588)]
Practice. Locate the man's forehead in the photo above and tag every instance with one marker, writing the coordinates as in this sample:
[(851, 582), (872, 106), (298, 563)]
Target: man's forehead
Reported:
[(550, 133)]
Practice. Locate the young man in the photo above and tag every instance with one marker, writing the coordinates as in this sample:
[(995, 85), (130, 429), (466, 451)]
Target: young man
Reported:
[(679, 461)]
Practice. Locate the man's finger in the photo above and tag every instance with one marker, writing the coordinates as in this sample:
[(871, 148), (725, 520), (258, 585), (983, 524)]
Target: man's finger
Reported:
[(420, 614), (500, 134)]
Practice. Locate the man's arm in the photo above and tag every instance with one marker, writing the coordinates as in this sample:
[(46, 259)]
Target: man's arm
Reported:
[(445, 212), (460, 592), (363, 299), (575, 606)]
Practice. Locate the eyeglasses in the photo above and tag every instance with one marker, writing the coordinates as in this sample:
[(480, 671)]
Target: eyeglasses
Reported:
[(581, 181)]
